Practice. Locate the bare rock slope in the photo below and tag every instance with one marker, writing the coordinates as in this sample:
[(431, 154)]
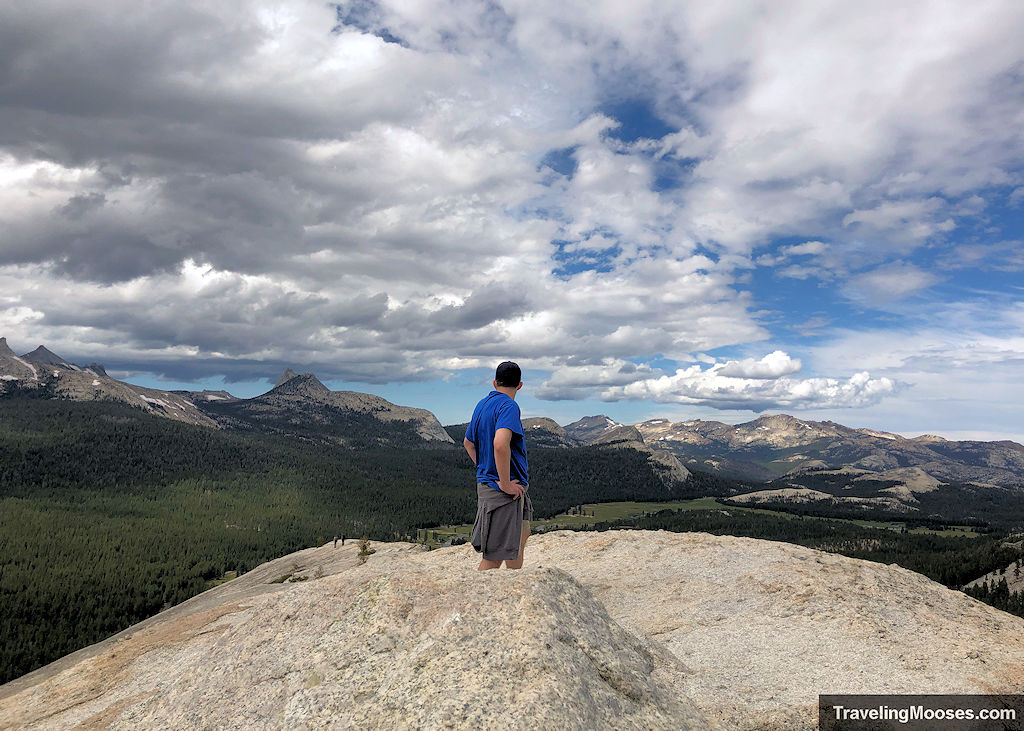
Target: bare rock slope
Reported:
[(772, 446), (624, 629)]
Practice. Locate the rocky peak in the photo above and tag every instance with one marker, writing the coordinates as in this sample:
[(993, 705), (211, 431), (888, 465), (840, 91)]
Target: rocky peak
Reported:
[(43, 356), (288, 375), (97, 369), (541, 431), (5, 349), (307, 385), (590, 428)]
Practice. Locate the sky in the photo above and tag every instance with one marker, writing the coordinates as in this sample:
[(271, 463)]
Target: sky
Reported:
[(663, 209)]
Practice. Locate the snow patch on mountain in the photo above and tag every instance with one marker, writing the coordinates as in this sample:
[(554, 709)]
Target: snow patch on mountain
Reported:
[(35, 374)]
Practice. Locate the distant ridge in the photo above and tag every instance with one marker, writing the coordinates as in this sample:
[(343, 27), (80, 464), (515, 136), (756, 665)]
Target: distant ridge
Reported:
[(298, 405), (44, 369)]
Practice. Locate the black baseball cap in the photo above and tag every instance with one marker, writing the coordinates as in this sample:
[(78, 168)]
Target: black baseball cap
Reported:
[(508, 374)]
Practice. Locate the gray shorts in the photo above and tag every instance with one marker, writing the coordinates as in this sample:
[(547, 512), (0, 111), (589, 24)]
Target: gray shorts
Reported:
[(498, 528)]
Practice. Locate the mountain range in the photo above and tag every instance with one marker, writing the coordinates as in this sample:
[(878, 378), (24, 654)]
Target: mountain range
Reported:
[(783, 459), (299, 405)]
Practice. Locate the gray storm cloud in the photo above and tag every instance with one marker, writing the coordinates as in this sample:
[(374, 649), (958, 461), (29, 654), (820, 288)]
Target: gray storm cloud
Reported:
[(204, 187)]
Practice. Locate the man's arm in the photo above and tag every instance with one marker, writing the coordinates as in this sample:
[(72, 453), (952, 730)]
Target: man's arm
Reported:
[(503, 461), (470, 449)]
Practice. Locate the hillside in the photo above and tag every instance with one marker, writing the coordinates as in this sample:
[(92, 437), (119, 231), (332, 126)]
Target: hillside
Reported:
[(301, 405), (776, 446), (703, 632), (108, 514), (298, 405)]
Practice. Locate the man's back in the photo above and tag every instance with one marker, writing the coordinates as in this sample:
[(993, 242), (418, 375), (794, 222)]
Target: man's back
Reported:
[(497, 411)]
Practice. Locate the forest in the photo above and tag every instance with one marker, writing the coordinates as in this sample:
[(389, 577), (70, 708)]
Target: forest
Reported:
[(108, 514)]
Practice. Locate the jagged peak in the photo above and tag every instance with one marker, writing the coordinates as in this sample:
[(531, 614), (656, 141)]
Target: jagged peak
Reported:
[(5, 349), (98, 369), (288, 375), (306, 383), (44, 356)]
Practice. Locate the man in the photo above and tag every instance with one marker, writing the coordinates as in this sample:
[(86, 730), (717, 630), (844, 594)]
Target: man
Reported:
[(494, 441)]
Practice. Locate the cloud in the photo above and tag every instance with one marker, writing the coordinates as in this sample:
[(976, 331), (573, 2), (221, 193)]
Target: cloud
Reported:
[(906, 220), (961, 361), (708, 387), (367, 188), (576, 382), (1003, 256), (748, 384), (812, 327), (888, 283), (773, 365), (822, 262)]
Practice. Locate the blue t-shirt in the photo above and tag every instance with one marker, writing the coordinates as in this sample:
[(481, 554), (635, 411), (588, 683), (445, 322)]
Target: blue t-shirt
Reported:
[(497, 411)]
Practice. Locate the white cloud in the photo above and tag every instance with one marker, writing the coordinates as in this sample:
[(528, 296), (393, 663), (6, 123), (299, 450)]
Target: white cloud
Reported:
[(888, 283), (747, 384), (1005, 256), (808, 248), (906, 220), (773, 365), (708, 387), (962, 364), (236, 182)]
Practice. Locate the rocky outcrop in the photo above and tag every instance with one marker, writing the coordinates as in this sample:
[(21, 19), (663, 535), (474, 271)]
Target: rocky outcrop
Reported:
[(288, 375), (543, 432), (589, 428), (45, 358), (87, 385), (796, 495), (622, 629), (43, 369), (207, 395), (297, 400), (13, 368)]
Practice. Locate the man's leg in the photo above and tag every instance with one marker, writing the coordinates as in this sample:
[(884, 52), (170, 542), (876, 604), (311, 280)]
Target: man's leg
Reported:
[(485, 564), (518, 563)]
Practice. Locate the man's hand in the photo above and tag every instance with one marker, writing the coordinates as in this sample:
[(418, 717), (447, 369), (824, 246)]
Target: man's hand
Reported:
[(512, 488)]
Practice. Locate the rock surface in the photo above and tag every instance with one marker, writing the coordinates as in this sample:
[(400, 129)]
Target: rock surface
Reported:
[(624, 629)]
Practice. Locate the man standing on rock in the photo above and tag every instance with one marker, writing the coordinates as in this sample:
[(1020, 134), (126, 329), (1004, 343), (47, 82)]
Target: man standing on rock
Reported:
[(494, 441)]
